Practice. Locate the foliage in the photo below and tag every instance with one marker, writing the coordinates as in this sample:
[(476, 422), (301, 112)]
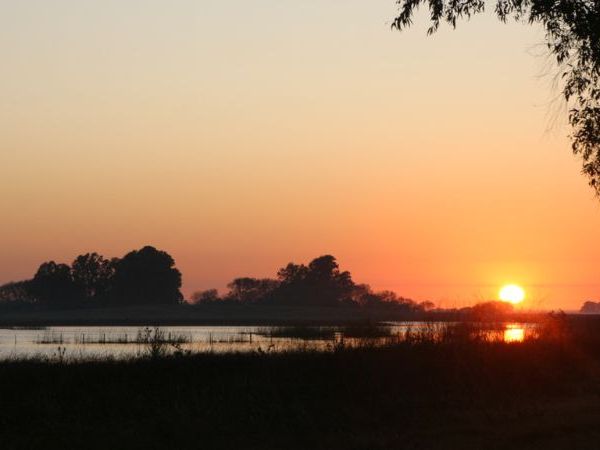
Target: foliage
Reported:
[(420, 394), (205, 297), (147, 276), (92, 274), (590, 308), (16, 292), (572, 30), (489, 311), (364, 296), (320, 283), (251, 290), (53, 285), (158, 344), (303, 332)]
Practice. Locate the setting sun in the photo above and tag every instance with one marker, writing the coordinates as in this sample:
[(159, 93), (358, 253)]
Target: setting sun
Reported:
[(512, 293)]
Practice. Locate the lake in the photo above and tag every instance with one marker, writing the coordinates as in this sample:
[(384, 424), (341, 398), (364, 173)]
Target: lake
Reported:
[(81, 342)]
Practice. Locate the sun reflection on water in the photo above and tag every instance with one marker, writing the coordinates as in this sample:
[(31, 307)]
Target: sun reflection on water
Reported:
[(514, 333)]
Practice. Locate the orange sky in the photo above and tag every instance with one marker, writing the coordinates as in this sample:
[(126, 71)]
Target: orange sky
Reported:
[(239, 136)]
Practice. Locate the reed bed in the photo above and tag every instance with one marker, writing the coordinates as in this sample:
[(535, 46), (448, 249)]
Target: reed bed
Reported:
[(432, 388), (302, 332), (142, 337)]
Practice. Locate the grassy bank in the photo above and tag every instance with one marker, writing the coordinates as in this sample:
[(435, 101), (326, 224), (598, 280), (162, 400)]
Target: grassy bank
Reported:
[(454, 392)]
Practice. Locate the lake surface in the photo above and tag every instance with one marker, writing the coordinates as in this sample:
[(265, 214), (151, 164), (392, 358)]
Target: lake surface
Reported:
[(75, 342)]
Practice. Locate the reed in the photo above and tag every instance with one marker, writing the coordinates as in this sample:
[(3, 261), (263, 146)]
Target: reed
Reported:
[(434, 388), (300, 332)]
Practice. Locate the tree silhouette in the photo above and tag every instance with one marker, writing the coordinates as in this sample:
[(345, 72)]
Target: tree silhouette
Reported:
[(146, 276), (491, 310), (149, 276), (92, 274), (572, 35), (205, 297), (328, 284), (321, 283), (251, 290), (53, 285), (363, 295), (16, 292)]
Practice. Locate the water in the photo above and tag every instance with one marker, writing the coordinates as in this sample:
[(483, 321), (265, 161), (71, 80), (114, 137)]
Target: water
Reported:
[(75, 342)]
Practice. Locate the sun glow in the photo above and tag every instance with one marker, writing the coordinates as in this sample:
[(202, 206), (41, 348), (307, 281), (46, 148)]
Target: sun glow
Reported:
[(514, 333), (512, 293)]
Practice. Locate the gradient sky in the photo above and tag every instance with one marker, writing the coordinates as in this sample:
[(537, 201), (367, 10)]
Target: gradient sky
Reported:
[(242, 135)]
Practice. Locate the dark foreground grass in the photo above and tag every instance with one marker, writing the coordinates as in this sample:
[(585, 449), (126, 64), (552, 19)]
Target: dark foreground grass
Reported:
[(453, 393)]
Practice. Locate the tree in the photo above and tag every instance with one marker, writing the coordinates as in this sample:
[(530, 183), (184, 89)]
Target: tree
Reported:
[(146, 276), (427, 305), (572, 36), (292, 273), (205, 297), (92, 274), (490, 311), (251, 290), (590, 308), (321, 283), (53, 285), (329, 286), (364, 296), (16, 292)]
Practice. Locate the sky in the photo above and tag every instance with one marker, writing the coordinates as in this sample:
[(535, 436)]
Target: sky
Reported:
[(239, 136)]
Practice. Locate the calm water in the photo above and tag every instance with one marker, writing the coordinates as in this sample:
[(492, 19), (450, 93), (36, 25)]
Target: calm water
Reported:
[(118, 342)]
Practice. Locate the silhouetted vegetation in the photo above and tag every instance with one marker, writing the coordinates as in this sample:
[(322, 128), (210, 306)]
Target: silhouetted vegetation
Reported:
[(487, 311), (320, 283), (146, 276), (572, 36), (299, 294), (17, 292), (433, 391), (590, 308), (300, 332), (367, 331), (53, 285), (147, 336), (93, 276)]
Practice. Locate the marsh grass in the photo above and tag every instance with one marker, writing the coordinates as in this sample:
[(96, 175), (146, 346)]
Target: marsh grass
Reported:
[(143, 337), (364, 330), (299, 332), (50, 337), (239, 338), (434, 388), (367, 331)]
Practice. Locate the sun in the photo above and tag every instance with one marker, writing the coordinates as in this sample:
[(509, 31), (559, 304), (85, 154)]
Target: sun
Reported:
[(511, 293)]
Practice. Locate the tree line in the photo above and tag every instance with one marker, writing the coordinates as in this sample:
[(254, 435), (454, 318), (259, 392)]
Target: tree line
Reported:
[(320, 283), (144, 276), (149, 276)]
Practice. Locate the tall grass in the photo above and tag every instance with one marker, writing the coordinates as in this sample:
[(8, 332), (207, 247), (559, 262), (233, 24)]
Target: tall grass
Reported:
[(434, 388), (299, 332), (367, 331)]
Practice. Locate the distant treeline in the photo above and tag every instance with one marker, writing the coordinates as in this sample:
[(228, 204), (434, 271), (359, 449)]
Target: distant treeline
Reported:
[(149, 276), (590, 308), (320, 283), (145, 276)]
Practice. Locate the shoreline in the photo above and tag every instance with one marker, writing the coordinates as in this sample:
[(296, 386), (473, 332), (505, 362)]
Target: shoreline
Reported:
[(454, 394), (230, 315)]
